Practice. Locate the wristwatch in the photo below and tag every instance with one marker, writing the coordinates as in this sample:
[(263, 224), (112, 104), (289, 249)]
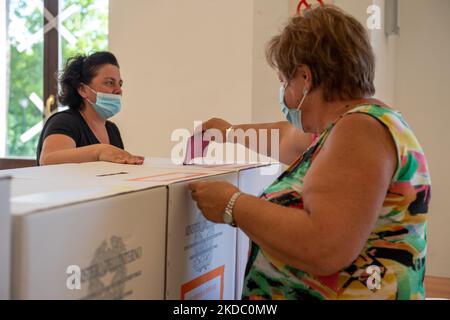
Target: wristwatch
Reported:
[(228, 213)]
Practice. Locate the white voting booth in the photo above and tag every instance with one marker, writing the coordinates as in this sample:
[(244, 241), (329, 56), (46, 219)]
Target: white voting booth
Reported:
[(109, 231), (5, 238)]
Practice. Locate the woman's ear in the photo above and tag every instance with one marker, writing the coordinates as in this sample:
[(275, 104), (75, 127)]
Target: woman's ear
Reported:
[(305, 75), (82, 91)]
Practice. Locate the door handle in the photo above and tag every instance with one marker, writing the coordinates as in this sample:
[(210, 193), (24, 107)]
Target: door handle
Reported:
[(48, 106)]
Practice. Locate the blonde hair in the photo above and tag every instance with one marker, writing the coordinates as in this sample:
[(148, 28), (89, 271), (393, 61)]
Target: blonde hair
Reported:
[(336, 48)]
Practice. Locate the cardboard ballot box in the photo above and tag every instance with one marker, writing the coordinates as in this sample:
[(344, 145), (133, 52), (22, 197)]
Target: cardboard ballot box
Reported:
[(90, 243), (5, 237), (123, 231), (201, 255), (252, 179)]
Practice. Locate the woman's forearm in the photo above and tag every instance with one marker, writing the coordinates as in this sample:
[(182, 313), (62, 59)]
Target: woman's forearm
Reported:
[(278, 140), (258, 137), (75, 155), (292, 239)]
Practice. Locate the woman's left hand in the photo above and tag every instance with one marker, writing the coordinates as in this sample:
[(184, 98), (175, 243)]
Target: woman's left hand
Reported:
[(212, 197)]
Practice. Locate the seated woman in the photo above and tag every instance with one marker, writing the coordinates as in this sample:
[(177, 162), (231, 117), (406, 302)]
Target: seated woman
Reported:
[(91, 87), (348, 218)]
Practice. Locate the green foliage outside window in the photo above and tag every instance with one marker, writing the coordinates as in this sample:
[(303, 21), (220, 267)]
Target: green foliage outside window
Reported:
[(88, 25)]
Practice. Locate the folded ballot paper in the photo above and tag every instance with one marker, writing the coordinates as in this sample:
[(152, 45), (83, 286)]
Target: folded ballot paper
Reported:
[(196, 148)]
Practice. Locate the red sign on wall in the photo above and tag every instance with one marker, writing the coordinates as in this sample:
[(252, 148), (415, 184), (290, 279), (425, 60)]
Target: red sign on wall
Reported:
[(306, 5)]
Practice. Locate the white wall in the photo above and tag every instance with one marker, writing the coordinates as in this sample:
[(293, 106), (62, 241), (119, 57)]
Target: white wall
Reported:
[(422, 93), (357, 8), (269, 17), (386, 54), (384, 47), (181, 61)]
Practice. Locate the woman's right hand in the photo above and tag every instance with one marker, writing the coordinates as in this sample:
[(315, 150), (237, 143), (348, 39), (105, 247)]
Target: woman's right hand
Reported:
[(111, 153), (214, 123)]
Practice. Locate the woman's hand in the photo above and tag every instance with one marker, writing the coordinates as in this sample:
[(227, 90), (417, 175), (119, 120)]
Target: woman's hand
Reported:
[(212, 198), (111, 153)]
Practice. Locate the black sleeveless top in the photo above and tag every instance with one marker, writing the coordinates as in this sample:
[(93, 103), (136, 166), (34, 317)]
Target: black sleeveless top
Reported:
[(72, 124)]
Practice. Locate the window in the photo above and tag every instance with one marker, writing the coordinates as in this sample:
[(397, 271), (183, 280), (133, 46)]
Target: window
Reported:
[(40, 36)]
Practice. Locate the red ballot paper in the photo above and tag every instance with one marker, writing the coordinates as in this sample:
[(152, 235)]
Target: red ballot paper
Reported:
[(196, 148)]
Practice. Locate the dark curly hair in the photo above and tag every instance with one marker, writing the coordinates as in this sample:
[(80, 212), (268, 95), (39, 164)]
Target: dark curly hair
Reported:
[(81, 69)]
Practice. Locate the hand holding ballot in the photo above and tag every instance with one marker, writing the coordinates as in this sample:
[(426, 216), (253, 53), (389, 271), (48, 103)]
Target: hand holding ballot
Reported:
[(196, 148), (197, 144), (214, 123)]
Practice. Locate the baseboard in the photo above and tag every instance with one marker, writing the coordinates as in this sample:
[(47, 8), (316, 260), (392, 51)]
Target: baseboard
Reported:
[(437, 287)]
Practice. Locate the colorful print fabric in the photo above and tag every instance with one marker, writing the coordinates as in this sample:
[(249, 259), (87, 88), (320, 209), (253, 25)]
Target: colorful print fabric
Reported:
[(397, 244)]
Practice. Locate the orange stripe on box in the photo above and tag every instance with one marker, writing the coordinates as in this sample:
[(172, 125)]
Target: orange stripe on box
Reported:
[(188, 176), (189, 286)]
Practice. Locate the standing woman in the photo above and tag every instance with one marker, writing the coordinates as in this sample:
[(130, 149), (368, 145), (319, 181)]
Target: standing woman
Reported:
[(355, 203), (91, 86)]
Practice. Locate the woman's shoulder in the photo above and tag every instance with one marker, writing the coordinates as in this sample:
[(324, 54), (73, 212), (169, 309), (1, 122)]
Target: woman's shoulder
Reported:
[(68, 115), (67, 122), (391, 118)]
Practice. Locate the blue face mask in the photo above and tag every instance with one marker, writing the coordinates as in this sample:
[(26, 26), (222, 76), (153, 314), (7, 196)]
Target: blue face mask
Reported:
[(292, 115), (107, 105)]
